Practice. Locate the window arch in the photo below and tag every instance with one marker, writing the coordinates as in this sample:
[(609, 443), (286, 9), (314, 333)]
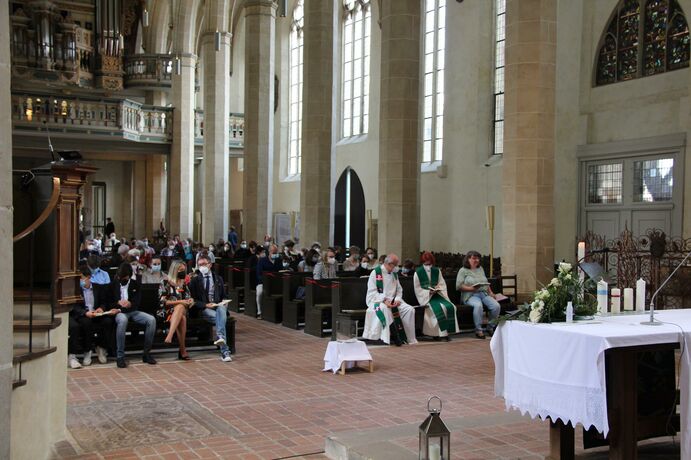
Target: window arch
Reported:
[(356, 60), (644, 37), (295, 96), (434, 27)]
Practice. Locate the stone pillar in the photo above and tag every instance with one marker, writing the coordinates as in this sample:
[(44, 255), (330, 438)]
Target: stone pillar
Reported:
[(6, 230), (260, 34), (215, 210), (181, 186), (528, 163), (138, 198), (399, 167), (155, 174), (317, 123)]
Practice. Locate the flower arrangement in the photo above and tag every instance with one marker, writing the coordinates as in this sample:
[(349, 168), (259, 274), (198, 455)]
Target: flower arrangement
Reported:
[(549, 303)]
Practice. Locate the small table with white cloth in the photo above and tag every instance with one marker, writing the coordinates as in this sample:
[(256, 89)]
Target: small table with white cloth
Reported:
[(340, 355), (558, 371)]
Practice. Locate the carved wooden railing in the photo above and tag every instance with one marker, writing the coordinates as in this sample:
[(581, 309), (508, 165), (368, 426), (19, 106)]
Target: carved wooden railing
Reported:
[(52, 203), (149, 71)]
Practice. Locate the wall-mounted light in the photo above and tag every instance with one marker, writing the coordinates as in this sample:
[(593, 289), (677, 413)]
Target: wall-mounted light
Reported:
[(282, 8), (178, 65), (121, 42), (217, 41), (145, 18)]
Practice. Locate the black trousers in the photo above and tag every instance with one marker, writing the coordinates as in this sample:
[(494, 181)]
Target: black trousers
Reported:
[(82, 330)]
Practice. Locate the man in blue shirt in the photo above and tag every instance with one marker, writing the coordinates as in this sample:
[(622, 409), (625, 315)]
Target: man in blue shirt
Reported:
[(233, 238)]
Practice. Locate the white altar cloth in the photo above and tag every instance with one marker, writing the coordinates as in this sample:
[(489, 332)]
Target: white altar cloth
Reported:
[(558, 370), (337, 352)]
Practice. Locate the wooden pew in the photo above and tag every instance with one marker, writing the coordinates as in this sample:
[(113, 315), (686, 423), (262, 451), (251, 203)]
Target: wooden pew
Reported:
[(317, 306), (272, 297), (235, 280), (293, 309), (349, 303), (250, 295)]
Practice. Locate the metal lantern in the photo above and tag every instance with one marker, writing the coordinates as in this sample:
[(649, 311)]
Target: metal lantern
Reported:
[(435, 438)]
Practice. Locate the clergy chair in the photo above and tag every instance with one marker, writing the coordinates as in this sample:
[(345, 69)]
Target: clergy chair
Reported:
[(349, 302), (317, 306)]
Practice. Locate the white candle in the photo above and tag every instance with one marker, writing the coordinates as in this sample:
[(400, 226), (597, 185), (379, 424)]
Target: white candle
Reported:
[(628, 299), (581, 256), (640, 295), (616, 301), (602, 297), (434, 452)]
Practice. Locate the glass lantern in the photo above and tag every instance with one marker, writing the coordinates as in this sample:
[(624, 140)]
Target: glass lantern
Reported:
[(435, 438)]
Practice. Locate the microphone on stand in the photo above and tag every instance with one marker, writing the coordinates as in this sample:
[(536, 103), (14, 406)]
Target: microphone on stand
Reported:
[(50, 144), (652, 321)]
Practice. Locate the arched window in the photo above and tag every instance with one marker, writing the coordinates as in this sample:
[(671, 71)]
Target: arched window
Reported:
[(433, 120), (356, 59), (499, 64), (295, 97), (644, 37)]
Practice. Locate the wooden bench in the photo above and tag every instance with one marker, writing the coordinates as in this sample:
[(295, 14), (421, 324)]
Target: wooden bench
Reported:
[(349, 303), (235, 281), (197, 328), (293, 309), (318, 306), (272, 297), (250, 294)]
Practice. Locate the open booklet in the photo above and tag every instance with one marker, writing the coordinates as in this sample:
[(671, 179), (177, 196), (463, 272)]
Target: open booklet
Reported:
[(107, 312), (223, 302), (480, 284)]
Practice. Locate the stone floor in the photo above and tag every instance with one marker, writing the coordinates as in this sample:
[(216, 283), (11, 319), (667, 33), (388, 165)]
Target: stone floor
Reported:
[(274, 402)]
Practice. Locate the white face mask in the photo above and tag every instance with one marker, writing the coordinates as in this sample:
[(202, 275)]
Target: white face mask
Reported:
[(204, 270), (395, 270), (332, 260), (243, 246), (364, 265), (90, 247)]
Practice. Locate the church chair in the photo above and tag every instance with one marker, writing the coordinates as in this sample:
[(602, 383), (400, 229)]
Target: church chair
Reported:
[(272, 298), (293, 309), (236, 285), (349, 302), (250, 295), (317, 306)]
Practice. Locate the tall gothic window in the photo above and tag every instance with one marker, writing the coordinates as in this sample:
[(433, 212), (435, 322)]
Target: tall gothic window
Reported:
[(499, 64), (433, 121), (295, 116), (644, 37), (356, 60)]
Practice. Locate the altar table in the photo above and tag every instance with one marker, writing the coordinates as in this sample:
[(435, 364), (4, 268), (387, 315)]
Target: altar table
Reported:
[(342, 355), (558, 370)]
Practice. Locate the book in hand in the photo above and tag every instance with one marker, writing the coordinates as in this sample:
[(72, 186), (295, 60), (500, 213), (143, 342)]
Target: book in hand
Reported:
[(480, 284), (107, 312), (500, 297), (223, 302)]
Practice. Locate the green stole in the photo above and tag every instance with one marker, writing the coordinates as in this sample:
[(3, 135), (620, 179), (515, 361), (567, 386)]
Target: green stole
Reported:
[(446, 321), (397, 323)]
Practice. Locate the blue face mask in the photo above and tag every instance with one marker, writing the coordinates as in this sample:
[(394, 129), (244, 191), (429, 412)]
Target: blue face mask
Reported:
[(82, 284), (155, 268)]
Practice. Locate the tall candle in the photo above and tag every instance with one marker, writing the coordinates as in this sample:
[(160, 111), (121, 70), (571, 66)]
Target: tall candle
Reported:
[(581, 256), (602, 297), (616, 301), (435, 452), (640, 295), (628, 299)]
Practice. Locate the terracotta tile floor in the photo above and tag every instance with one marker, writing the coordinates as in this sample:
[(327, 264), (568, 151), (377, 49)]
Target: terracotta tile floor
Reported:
[(273, 401)]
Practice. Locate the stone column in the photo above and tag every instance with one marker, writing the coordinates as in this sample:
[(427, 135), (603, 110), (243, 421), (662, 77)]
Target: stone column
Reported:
[(260, 33), (399, 167), (6, 233), (215, 210), (155, 173), (139, 198), (528, 163), (317, 122), (181, 186)]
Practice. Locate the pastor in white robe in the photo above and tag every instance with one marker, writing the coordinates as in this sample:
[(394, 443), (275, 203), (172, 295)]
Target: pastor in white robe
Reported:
[(430, 325), (392, 290)]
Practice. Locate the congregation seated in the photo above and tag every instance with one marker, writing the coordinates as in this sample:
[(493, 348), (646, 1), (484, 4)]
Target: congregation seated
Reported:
[(372, 256), (88, 248), (326, 267), (293, 257), (408, 268), (123, 296), (84, 322), (363, 268), (309, 261), (265, 263), (153, 272), (119, 256), (388, 317), (208, 291), (476, 292), (353, 261), (243, 253), (440, 318)]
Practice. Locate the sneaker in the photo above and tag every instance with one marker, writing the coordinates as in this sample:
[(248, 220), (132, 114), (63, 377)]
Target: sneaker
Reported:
[(219, 341), (226, 358), (147, 358), (87, 359), (73, 362), (121, 363), (102, 355)]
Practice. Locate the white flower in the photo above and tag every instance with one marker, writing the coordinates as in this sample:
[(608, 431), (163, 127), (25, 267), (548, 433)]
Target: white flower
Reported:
[(535, 315), (564, 267), (568, 276), (555, 282)]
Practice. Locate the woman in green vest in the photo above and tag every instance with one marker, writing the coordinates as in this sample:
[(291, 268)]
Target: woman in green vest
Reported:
[(430, 290)]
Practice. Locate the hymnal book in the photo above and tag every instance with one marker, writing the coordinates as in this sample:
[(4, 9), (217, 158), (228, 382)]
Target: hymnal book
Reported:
[(480, 284), (500, 297), (223, 302)]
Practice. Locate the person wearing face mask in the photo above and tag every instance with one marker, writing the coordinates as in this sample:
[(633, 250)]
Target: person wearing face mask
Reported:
[(153, 273), (124, 296), (87, 249), (307, 264), (175, 300), (169, 251), (326, 267), (430, 290), (207, 290), (408, 268), (372, 254), (363, 267), (353, 261), (243, 252), (388, 317), (265, 263)]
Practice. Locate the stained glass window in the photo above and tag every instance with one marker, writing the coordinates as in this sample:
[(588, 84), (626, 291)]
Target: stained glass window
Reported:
[(644, 37), (356, 61), (605, 183), (434, 46), (653, 180), (295, 96), (499, 47)]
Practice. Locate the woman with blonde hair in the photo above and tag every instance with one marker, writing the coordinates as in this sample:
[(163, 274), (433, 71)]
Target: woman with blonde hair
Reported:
[(175, 301), (326, 267)]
